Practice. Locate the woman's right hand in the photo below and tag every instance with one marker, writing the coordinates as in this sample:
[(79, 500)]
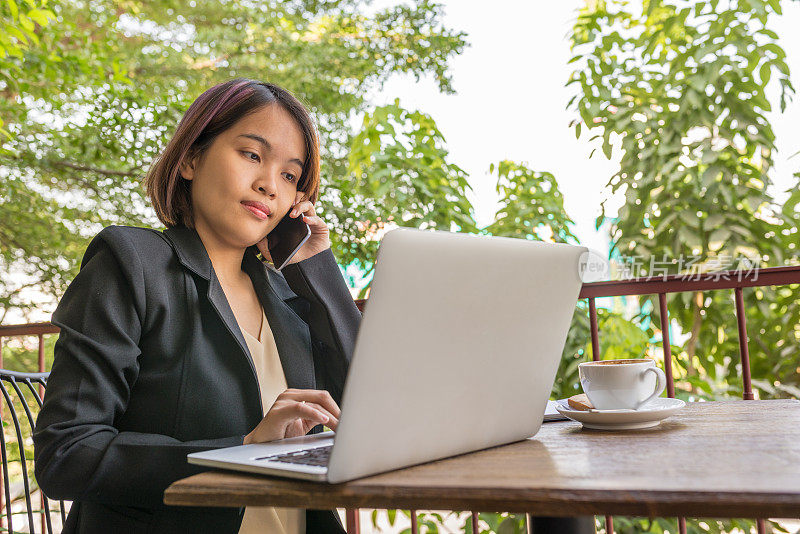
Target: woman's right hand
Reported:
[(294, 413)]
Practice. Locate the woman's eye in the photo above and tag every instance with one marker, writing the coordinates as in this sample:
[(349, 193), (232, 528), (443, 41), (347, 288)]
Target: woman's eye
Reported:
[(289, 176), (246, 152)]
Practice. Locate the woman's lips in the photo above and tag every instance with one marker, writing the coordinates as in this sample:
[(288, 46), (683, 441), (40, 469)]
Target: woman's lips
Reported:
[(255, 211)]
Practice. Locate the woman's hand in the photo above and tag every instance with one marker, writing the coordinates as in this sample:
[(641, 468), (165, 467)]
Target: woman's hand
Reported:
[(294, 413), (320, 235)]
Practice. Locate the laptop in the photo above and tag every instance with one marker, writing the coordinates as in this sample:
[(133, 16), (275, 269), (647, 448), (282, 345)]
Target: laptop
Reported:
[(457, 351)]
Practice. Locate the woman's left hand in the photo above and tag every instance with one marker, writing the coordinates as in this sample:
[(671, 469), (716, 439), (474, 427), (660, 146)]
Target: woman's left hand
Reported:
[(319, 239)]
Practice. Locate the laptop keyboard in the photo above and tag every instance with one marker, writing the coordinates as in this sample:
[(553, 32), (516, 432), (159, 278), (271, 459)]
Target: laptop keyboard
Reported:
[(316, 456)]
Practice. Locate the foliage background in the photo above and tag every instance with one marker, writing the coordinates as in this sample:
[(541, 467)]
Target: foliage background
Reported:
[(91, 90)]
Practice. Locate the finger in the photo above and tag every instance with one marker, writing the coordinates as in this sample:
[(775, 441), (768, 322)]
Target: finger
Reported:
[(315, 221), (324, 398), (308, 424), (333, 421), (299, 196), (305, 207), (306, 411), (318, 396)]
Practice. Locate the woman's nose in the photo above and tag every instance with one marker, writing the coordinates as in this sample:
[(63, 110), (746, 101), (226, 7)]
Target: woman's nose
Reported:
[(268, 184)]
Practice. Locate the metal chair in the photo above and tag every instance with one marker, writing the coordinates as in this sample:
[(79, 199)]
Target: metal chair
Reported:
[(15, 399)]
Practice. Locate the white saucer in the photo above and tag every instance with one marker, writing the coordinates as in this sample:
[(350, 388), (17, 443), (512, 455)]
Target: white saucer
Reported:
[(647, 416)]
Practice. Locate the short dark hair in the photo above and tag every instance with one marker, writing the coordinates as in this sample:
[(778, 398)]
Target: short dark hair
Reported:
[(213, 112)]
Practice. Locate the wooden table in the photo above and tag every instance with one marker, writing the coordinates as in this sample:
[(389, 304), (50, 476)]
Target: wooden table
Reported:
[(712, 459)]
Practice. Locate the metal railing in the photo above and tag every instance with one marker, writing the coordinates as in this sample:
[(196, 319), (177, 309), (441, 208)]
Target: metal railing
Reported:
[(661, 286), (16, 395), (654, 285)]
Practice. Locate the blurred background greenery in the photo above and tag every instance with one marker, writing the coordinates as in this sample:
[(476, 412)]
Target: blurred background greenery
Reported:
[(91, 91)]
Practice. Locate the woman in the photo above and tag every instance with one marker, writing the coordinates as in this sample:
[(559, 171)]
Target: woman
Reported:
[(183, 340)]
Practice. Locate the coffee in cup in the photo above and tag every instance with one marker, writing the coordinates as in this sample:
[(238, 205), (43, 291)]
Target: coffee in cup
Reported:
[(621, 384)]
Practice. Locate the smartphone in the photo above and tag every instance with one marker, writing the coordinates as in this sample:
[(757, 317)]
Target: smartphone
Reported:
[(286, 238)]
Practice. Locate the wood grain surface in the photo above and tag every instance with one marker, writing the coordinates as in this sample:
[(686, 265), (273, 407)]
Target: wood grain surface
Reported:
[(711, 459)]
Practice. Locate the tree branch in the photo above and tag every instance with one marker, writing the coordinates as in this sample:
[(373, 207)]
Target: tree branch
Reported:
[(96, 170), (691, 345)]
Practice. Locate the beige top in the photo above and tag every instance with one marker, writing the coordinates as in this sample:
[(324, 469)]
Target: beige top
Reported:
[(272, 383)]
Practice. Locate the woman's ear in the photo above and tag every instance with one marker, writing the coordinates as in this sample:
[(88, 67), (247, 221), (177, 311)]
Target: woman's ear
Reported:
[(186, 169)]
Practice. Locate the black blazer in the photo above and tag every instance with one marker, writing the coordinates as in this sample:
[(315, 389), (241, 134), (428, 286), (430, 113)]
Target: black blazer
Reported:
[(151, 365)]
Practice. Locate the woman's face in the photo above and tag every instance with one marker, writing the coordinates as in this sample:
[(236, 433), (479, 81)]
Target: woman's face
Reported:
[(257, 160)]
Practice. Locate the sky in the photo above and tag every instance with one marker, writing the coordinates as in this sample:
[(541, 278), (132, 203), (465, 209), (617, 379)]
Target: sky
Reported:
[(510, 104)]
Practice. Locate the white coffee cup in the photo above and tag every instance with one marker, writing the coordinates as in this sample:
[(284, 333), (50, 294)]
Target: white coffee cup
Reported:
[(621, 384)]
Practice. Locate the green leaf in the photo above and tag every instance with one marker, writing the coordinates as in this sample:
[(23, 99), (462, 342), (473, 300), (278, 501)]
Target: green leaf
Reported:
[(12, 6), (765, 72), (508, 526), (741, 230), (689, 237), (714, 221), (719, 235), (607, 149), (18, 34), (25, 22), (39, 16), (710, 175), (689, 217), (775, 49)]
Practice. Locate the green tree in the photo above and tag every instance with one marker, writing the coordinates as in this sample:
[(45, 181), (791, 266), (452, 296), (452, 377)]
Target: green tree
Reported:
[(398, 173), (682, 86), (85, 126), (532, 206), (17, 36)]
